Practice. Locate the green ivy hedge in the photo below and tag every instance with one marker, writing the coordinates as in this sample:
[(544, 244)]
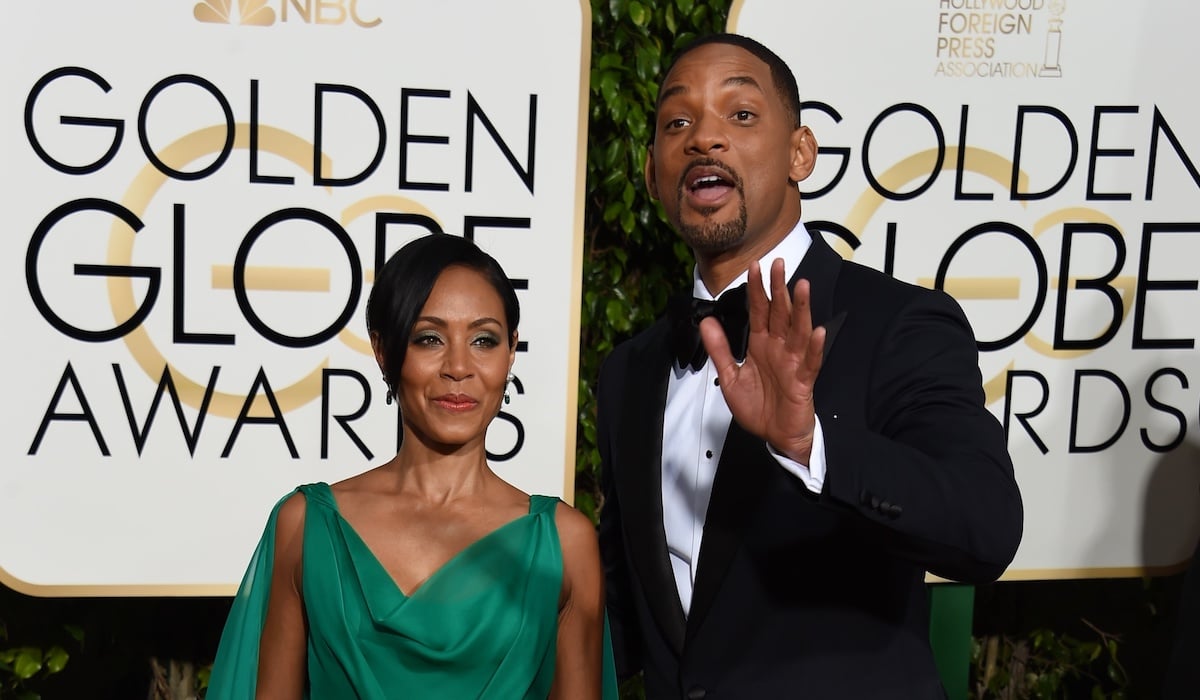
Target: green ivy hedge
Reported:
[(632, 258)]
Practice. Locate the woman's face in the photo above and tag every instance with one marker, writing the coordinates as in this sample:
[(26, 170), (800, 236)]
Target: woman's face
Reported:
[(457, 364)]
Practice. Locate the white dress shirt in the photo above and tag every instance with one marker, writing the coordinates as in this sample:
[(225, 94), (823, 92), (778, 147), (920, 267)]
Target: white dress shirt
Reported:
[(695, 424)]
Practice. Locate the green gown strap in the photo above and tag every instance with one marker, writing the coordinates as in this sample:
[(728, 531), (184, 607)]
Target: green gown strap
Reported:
[(608, 669), (235, 670)]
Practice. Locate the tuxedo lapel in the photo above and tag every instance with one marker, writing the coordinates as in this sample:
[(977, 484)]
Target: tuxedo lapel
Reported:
[(820, 266), (743, 471), (640, 457), (739, 483)]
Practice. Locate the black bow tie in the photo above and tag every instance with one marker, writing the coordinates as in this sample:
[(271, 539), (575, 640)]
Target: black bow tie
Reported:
[(686, 313)]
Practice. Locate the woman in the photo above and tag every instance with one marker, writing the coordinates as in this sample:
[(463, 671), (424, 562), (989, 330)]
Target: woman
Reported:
[(428, 576)]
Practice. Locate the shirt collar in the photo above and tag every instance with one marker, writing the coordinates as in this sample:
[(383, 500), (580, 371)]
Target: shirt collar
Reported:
[(792, 249)]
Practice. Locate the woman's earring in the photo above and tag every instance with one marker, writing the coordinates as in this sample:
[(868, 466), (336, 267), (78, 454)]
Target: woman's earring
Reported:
[(390, 396), (508, 381)]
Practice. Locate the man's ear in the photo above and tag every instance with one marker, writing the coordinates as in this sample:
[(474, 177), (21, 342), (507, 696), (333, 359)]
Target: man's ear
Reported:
[(804, 154), (648, 172)]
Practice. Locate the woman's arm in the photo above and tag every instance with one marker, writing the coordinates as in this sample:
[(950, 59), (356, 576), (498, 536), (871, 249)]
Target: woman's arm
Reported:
[(577, 673), (282, 653)]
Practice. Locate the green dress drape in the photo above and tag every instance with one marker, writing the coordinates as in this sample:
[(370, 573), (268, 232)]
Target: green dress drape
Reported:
[(482, 626)]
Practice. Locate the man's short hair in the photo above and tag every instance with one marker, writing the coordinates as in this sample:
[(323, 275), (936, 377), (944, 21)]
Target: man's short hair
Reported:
[(781, 75)]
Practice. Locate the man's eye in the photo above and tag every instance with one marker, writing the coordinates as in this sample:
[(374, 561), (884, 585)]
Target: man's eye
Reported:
[(743, 115), (677, 123)]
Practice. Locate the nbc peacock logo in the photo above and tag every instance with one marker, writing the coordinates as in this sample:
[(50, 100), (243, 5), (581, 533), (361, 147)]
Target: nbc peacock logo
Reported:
[(265, 13), (251, 12)]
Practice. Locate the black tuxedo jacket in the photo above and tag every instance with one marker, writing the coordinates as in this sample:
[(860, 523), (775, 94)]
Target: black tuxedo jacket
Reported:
[(800, 595)]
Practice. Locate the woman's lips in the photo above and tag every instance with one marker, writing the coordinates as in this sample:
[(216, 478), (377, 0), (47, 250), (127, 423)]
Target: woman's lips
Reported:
[(456, 402)]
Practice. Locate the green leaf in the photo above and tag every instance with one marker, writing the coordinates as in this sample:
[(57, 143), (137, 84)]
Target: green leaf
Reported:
[(610, 86), (27, 663), (627, 220), (56, 659), (685, 6), (639, 14), (75, 631)]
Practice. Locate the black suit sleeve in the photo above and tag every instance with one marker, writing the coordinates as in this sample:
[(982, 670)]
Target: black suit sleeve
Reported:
[(923, 458), (622, 616)]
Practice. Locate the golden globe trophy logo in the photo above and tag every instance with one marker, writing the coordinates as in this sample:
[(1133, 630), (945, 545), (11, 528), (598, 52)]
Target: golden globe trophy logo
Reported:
[(1043, 170), (999, 38)]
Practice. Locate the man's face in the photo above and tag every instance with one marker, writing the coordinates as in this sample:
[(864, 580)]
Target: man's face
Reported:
[(726, 153)]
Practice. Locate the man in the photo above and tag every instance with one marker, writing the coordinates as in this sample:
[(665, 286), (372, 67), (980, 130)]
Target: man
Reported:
[(767, 524)]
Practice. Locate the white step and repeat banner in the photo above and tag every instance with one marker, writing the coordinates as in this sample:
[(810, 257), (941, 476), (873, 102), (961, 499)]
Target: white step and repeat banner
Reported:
[(196, 197), (1038, 159)]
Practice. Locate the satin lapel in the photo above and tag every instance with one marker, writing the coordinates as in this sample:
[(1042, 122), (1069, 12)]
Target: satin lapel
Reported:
[(639, 454), (743, 471), (739, 483), (820, 266)]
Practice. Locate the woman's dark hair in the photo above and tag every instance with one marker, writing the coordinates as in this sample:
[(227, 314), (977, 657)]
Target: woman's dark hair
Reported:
[(403, 285)]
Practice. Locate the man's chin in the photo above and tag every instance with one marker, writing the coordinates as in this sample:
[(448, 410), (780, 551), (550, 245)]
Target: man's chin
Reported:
[(712, 237)]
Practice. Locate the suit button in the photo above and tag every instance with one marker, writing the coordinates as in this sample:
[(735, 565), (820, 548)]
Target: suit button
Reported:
[(894, 511), (875, 501), (696, 693)]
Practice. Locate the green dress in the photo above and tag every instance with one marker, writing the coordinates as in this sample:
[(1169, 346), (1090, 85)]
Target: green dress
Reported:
[(484, 625)]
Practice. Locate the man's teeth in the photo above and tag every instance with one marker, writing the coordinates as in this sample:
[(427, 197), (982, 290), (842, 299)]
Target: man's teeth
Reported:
[(707, 180)]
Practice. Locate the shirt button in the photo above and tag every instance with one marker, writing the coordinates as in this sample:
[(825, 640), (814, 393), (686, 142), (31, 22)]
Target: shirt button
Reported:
[(708, 453), (717, 381)]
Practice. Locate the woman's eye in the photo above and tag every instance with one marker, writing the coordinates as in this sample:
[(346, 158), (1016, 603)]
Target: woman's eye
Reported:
[(486, 341), (426, 339)]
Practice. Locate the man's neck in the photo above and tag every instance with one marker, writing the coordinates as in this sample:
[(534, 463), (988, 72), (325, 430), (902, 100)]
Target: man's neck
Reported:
[(719, 269)]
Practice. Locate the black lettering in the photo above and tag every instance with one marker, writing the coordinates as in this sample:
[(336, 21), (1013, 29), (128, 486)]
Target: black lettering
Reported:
[(227, 111), (152, 274), (474, 111), (1023, 418), (1034, 252), (276, 417), (519, 442), (1146, 285), (1075, 447), (165, 384), (85, 412), (179, 283), (842, 152), (319, 179), (407, 138), (117, 125), (1158, 124), (1062, 118), (343, 419), (961, 162), (1179, 416), (1096, 152), (239, 277), (937, 165), (1099, 284), (254, 139)]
